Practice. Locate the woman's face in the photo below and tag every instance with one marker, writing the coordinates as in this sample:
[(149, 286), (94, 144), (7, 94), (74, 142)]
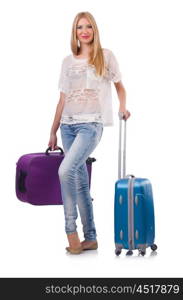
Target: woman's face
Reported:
[(84, 31)]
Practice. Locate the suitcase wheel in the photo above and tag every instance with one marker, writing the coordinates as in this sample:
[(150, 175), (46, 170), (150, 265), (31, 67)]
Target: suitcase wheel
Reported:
[(129, 252), (142, 252), (154, 247), (117, 252)]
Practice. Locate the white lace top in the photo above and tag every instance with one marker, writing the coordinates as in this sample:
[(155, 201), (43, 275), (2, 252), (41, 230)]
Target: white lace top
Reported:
[(88, 97)]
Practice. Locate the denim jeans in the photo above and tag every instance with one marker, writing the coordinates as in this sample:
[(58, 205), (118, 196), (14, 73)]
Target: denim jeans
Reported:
[(78, 140)]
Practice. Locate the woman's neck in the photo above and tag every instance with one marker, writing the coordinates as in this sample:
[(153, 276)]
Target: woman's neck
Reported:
[(84, 51)]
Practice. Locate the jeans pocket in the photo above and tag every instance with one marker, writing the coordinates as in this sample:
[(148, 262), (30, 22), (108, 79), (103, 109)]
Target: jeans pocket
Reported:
[(97, 124)]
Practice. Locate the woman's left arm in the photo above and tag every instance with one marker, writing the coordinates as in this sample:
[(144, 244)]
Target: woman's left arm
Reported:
[(121, 92)]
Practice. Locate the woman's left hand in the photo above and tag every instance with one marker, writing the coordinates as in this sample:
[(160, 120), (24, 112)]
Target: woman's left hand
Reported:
[(126, 114)]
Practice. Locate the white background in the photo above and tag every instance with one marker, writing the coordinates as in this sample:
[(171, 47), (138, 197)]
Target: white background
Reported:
[(146, 37)]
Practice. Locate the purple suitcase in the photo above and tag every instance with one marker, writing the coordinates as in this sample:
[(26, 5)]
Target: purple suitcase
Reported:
[(37, 180)]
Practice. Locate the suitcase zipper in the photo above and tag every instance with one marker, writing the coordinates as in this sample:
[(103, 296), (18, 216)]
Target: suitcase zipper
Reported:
[(130, 214)]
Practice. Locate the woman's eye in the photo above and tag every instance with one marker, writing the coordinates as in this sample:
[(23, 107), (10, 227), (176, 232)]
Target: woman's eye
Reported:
[(79, 27)]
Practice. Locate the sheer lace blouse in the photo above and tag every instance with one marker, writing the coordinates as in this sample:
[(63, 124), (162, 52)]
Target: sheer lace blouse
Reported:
[(88, 97)]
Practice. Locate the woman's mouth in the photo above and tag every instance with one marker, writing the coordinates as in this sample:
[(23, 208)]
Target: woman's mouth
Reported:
[(85, 36)]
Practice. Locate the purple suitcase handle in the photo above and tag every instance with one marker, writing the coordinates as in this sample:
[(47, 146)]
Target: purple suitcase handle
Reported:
[(49, 149)]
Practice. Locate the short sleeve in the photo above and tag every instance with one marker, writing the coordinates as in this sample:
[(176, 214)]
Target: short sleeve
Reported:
[(62, 77), (114, 70)]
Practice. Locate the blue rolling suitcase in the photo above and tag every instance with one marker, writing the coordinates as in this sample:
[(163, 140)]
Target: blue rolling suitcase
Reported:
[(133, 208)]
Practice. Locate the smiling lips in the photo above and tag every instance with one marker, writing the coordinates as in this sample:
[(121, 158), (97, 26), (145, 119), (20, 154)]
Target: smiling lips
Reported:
[(85, 36)]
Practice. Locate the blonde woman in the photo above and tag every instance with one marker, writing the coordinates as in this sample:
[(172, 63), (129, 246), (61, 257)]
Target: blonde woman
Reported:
[(84, 108)]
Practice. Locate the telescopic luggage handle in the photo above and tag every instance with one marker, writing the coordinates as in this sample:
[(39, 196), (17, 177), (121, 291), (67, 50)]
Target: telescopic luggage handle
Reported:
[(120, 115)]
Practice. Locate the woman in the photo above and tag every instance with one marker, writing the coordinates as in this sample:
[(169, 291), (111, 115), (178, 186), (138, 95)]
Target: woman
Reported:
[(83, 109)]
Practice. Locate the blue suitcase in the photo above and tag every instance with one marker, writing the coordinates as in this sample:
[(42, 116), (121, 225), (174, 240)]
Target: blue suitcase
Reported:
[(134, 223)]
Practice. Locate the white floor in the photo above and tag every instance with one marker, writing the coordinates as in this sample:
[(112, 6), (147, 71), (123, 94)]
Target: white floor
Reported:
[(35, 247)]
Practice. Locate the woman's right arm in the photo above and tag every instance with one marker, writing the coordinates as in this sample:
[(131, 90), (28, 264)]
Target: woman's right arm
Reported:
[(56, 122)]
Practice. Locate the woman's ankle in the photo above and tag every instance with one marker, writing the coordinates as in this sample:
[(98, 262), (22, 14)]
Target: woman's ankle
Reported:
[(74, 241)]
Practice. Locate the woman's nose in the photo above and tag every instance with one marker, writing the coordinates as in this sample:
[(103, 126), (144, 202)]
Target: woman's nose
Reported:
[(84, 29)]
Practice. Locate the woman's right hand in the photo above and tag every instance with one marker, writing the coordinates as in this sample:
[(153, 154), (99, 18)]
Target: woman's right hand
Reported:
[(53, 142)]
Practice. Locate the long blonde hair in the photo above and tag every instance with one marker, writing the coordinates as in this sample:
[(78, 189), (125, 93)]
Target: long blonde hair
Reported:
[(96, 57)]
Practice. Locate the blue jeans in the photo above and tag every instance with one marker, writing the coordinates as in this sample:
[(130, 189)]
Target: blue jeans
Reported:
[(78, 140)]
